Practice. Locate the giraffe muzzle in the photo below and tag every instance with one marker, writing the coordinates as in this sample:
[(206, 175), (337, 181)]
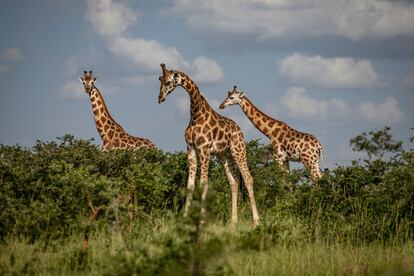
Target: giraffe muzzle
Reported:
[(160, 100), (222, 106)]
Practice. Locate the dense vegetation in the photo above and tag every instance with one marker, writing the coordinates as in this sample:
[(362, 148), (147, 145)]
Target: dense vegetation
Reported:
[(66, 207)]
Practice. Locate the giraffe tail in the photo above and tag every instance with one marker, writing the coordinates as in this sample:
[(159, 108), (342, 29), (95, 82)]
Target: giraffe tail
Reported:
[(320, 158), (321, 154)]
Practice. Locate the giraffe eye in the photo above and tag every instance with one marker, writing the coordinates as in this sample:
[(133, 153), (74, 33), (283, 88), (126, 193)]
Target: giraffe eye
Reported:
[(231, 98)]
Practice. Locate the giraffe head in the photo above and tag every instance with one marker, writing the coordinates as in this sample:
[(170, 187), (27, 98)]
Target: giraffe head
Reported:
[(234, 97), (169, 81), (88, 82)]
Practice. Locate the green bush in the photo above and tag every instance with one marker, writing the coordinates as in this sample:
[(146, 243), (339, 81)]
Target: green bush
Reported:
[(51, 191)]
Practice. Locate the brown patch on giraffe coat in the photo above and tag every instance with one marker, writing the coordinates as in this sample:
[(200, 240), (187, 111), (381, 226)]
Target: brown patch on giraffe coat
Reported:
[(206, 128), (115, 143), (110, 134), (212, 123), (200, 140), (200, 120), (220, 134), (214, 131)]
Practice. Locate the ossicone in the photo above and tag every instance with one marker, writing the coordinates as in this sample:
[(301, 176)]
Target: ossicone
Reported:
[(164, 69)]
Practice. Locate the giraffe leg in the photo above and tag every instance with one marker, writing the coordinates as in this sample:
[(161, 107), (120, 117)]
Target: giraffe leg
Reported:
[(204, 156), (315, 171), (192, 171), (286, 165), (240, 159), (280, 157), (313, 166), (232, 175)]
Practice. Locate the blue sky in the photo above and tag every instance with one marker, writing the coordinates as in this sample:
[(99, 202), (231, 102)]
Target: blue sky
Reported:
[(328, 67)]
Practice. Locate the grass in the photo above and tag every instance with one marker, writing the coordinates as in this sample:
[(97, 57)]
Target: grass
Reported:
[(111, 252), (326, 259)]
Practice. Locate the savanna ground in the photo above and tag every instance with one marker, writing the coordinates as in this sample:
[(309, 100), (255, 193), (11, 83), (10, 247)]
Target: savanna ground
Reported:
[(66, 208)]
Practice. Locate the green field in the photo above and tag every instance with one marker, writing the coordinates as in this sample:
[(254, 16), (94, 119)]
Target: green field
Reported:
[(359, 220)]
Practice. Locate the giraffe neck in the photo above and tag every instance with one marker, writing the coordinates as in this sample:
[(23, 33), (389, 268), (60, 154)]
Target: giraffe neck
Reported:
[(103, 119), (198, 105), (264, 123)]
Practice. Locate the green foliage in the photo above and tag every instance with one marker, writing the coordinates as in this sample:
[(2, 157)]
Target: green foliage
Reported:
[(48, 191), (129, 204), (376, 143), (361, 203)]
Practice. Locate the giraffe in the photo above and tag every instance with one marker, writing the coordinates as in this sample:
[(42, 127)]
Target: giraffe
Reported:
[(208, 133), (112, 134), (288, 143)]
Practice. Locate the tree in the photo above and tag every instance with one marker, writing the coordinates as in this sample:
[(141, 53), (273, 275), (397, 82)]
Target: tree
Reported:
[(376, 143)]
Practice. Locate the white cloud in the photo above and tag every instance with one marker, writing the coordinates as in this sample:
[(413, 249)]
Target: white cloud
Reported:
[(73, 89), (387, 111), (207, 70), (8, 56), (147, 53), (328, 72), (111, 20), (264, 19), (297, 103), (300, 105), (11, 54)]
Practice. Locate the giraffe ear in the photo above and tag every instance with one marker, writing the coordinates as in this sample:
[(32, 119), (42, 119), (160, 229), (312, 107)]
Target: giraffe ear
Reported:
[(241, 94), (94, 79), (81, 80)]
